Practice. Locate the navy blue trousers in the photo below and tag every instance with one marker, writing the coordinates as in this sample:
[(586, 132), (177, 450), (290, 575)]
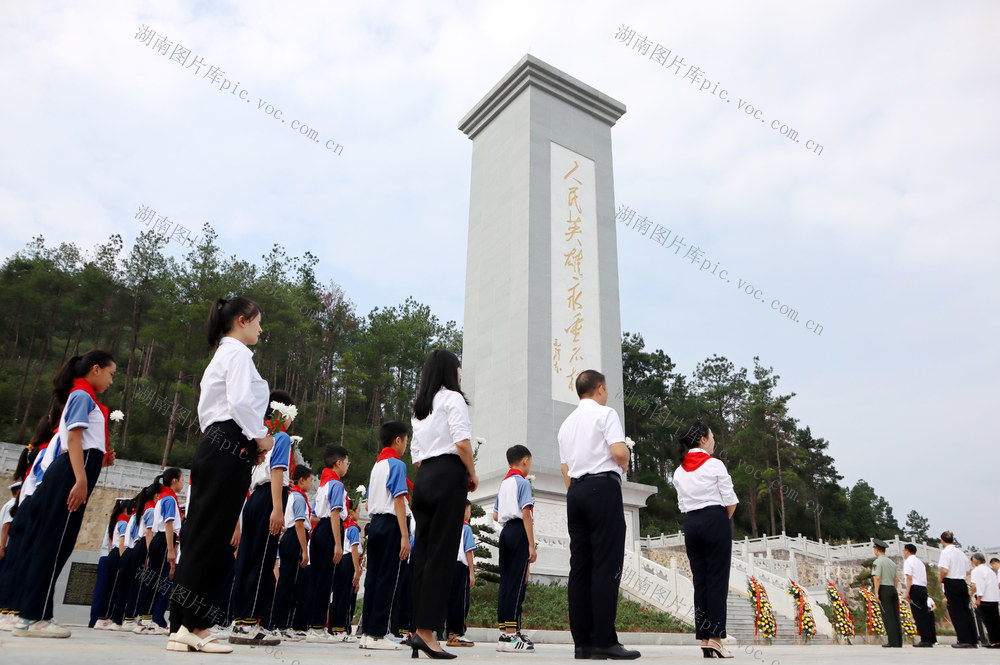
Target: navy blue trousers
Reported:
[(708, 539)]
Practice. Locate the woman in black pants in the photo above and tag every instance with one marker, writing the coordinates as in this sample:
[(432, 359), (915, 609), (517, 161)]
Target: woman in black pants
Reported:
[(706, 497), (442, 450), (231, 413)]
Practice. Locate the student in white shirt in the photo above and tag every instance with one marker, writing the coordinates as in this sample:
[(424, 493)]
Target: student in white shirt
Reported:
[(915, 574), (953, 566), (986, 592), (59, 502), (114, 541), (706, 497), (231, 412), (442, 451), (290, 606), (162, 556), (594, 458), (5, 519)]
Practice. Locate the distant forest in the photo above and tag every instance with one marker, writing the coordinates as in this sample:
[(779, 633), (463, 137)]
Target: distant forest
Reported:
[(350, 372)]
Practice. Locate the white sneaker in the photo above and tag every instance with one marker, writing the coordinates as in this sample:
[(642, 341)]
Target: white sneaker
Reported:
[(150, 628), (300, 634), (41, 629), (513, 643), (103, 624), (129, 625), (348, 638), (383, 644), (318, 636), (289, 636), (7, 621)]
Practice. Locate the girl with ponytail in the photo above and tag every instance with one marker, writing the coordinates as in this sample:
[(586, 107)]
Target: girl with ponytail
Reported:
[(81, 449), (231, 412), (162, 551)]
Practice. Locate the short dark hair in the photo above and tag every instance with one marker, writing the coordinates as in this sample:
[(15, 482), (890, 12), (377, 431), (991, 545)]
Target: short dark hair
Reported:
[(301, 471), (910, 547), (994, 559), (517, 453), (333, 454), (390, 430), (948, 537), (278, 395), (588, 381)]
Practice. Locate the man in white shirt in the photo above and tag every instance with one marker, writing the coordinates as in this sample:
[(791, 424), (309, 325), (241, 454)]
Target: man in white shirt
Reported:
[(953, 566), (915, 573), (987, 597), (594, 456)]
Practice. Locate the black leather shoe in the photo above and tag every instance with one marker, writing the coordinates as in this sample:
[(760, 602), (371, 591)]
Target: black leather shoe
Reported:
[(920, 645), (617, 652), (581, 653), (963, 645)]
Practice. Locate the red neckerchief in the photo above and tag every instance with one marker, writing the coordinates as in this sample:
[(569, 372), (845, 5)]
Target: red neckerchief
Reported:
[(514, 472), (327, 476), (152, 504), (348, 523), (84, 385), (387, 452), (409, 488), (122, 517), (165, 492), (694, 459), (296, 488), (465, 523)]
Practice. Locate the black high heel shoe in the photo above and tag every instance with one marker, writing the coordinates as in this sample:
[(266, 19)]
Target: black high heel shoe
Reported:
[(418, 645), (707, 652)]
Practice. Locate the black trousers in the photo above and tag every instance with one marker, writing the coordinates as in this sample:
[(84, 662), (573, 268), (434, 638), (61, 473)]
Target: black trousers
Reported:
[(220, 476), (293, 583), (321, 547), (513, 573), (990, 614), (401, 618), (255, 558), (382, 575), (224, 591), (439, 495), (957, 594), (888, 598), (596, 521), (52, 533), (341, 613), (153, 577), (126, 601), (922, 615), (458, 600), (111, 569), (709, 543), (13, 562)]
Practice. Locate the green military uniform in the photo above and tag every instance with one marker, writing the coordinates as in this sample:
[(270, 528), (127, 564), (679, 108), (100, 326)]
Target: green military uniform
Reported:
[(889, 598)]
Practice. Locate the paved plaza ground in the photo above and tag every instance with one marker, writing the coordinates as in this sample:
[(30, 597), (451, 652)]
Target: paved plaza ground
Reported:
[(104, 648)]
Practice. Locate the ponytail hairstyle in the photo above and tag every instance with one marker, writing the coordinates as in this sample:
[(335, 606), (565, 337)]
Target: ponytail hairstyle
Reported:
[(692, 437), (144, 496), (440, 369), (117, 510), (223, 315), (21, 470), (169, 476), (43, 430), (75, 368)]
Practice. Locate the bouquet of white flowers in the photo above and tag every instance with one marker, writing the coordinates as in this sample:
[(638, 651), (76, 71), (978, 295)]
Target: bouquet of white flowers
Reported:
[(282, 417)]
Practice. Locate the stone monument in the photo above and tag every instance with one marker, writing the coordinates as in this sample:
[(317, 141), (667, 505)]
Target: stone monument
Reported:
[(541, 299)]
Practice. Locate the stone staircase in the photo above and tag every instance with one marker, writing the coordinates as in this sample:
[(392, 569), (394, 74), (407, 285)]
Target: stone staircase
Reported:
[(740, 620)]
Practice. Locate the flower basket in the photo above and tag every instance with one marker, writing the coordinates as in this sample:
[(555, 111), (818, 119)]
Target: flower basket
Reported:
[(843, 622), (764, 621), (906, 618), (804, 620), (875, 624)]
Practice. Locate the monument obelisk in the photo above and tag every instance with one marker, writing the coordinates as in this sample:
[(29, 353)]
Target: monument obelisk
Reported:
[(541, 299)]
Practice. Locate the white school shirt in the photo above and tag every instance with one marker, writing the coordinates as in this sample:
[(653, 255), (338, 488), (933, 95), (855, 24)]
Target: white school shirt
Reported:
[(232, 389), (585, 439), (986, 583), (352, 538), (329, 497), (386, 481), (916, 569), (708, 485), (955, 561), (276, 458), (132, 531), (166, 510), (81, 412), (297, 509), (466, 544), (513, 497), (446, 425), (5, 512)]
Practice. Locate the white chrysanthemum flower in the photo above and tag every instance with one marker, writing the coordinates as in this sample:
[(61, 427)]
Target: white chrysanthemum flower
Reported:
[(288, 412), (296, 439), (629, 442), (361, 489), (480, 440), (530, 477), (116, 415)]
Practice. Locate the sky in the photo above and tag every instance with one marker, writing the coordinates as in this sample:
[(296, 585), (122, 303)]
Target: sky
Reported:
[(885, 236)]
